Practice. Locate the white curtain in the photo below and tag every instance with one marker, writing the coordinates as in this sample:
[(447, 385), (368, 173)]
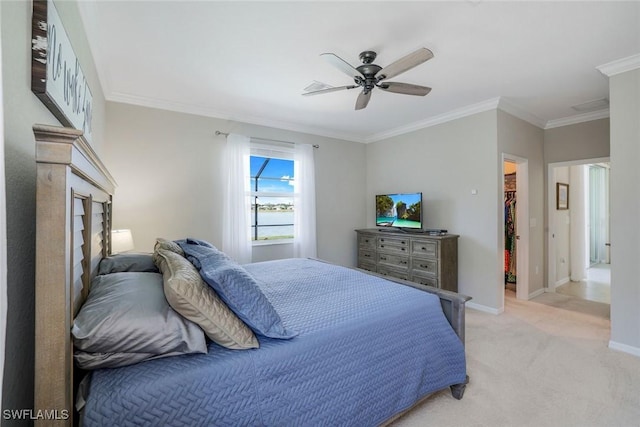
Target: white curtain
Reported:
[(3, 241), (236, 233), (304, 217)]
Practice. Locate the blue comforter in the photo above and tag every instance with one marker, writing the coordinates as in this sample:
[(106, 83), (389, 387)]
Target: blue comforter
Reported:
[(367, 349)]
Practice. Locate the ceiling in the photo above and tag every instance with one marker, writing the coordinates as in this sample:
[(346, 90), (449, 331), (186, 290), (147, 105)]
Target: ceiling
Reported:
[(250, 61)]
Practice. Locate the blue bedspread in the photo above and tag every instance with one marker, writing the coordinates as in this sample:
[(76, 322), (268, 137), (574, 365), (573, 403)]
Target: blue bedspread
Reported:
[(367, 349)]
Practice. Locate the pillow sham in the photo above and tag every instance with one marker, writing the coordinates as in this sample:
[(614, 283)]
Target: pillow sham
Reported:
[(135, 262), (187, 294), (127, 313), (238, 289)]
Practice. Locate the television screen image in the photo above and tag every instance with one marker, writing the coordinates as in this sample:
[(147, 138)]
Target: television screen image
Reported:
[(402, 210)]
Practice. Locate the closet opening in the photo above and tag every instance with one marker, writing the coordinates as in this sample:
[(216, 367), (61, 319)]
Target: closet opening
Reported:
[(510, 236), (514, 233)]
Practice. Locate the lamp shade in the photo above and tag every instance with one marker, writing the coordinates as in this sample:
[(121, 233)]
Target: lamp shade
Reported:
[(121, 241)]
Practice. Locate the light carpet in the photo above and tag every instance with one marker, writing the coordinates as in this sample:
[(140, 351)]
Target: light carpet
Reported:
[(543, 362)]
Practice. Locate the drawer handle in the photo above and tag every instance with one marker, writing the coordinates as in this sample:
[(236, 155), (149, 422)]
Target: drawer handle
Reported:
[(367, 255), (382, 246), (403, 262), (424, 266), (383, 258), (424, 249), (402, 249)]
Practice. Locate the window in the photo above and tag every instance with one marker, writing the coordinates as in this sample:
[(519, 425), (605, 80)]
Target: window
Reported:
[(272, 194)]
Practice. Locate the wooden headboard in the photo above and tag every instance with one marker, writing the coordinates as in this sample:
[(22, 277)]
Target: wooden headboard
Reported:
[(73, 228)]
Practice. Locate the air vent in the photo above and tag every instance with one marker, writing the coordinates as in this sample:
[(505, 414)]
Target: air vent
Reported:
[(598, 104)]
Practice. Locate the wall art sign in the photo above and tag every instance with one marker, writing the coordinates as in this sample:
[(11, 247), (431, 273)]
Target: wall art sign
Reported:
[(56, 76)]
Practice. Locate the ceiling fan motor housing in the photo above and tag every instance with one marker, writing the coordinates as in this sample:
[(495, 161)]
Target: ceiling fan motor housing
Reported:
[(368, 70)]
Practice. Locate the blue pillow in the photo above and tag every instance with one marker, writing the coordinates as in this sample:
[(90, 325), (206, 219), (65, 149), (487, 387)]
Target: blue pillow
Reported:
[(238, 289), (204, 243)]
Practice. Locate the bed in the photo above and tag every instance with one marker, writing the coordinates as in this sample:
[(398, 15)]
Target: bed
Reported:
[(362, 349)]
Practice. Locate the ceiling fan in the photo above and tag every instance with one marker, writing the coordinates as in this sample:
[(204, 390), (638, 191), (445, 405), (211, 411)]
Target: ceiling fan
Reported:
[(369, 75)]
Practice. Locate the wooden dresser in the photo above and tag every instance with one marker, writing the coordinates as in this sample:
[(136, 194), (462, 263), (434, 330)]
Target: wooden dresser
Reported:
[(417, 257)]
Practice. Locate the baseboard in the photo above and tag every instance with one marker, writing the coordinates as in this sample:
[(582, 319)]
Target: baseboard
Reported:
[(622, 347), (484, 308), (563, 281), (536, 293)]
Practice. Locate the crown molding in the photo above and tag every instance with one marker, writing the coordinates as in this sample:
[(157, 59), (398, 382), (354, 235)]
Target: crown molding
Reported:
[(490, 104), (580, 118), (620, 65), (514, 110), (210, 112)]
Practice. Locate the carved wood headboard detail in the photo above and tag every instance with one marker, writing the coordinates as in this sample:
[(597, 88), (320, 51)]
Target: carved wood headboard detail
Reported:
[(73, 226)]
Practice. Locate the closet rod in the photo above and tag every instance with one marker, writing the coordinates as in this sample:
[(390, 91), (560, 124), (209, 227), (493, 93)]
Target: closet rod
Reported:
[(225, 134)]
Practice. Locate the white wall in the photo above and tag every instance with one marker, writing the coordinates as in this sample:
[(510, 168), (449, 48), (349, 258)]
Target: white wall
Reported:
[(21, 111), (624, 92), (445, 162), (167, 166), (561, 231), (578, 202)]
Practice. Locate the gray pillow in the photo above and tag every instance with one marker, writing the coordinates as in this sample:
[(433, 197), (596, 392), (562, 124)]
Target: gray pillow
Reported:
[(138, 262), (127, 313), (190, 296)]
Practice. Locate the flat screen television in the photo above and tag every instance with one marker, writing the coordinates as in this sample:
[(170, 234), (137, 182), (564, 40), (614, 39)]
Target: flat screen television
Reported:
[(400, 210)]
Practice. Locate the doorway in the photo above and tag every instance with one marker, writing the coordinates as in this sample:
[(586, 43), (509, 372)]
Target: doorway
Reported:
[(515, 226), (578, 240)]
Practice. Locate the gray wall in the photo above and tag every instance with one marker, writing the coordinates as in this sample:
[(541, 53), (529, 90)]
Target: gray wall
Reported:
[(167, 166), (624, 92), (445, 162), (21, 110), (522, 139), (588, 140), (581, 141)]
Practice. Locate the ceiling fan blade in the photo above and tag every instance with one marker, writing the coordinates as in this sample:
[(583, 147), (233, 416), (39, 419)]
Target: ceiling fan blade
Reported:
[(363, 100), (405, 88), (341, 64), (331, 89), (405, 63)]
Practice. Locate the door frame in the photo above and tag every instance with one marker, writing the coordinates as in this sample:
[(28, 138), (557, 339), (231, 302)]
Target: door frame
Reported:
[(522, 226), (551, 225)]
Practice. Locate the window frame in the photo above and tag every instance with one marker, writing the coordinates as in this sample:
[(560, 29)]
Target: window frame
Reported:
[(270, 150)]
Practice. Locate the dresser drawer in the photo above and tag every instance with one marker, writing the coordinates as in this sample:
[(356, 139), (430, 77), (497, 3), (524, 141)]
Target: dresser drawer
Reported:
[(398, 274), (396, 261), (393, 245), (424, 248), (367, 265), (366, 256), (367, 242), (425, 279), (424, 266)]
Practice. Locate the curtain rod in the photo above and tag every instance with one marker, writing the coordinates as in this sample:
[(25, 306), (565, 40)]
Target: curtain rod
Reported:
[(266, 139)]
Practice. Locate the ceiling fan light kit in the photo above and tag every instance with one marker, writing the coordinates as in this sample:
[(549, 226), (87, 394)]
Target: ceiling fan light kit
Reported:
[(368, 76)]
